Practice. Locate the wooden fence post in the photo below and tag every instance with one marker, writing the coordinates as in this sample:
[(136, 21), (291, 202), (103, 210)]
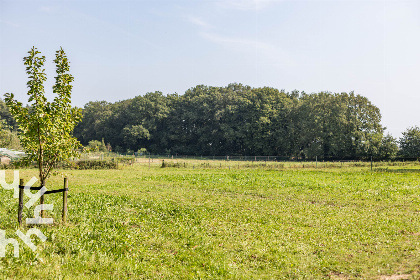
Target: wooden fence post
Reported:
[(20, 207), (371, 163), (41, 201), (66, 185)]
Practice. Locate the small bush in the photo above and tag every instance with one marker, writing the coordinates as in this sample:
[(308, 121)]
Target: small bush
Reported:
[(124, 160), (166, 164), (95, 164), (4, 166)]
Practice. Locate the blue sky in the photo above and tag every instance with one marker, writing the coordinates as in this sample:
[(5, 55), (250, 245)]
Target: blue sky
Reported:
[(121, 49)]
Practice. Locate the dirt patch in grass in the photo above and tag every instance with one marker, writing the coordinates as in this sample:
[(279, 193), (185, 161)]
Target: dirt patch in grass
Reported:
[(338, 276), (395, 277)]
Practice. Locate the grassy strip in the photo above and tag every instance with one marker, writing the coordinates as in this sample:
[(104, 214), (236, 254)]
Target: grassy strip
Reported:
[(216, 223)]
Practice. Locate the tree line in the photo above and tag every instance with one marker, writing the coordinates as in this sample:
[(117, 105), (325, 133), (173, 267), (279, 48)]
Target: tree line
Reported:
[(241, 120)]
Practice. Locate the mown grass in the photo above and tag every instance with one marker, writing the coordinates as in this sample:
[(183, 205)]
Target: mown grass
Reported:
[(224, 223)]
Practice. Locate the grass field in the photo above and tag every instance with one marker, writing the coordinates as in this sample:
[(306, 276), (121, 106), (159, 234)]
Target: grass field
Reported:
[(225, 221)]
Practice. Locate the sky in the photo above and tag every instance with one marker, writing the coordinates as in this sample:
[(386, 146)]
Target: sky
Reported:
[(121, 49)]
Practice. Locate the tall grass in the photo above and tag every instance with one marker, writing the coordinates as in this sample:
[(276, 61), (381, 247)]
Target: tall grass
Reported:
[(229, 222)]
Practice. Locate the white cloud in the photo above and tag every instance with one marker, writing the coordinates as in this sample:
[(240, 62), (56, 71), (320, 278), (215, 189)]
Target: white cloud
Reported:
[(46, 9), (234, 42), (198, 21), (246, 4), (9, 23), (264, 52)]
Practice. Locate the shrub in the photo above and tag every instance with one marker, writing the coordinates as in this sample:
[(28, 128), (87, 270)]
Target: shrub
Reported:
[(169, 164), (95, 164)]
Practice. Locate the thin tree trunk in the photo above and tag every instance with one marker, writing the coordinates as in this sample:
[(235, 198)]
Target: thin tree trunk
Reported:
[(40, 167)]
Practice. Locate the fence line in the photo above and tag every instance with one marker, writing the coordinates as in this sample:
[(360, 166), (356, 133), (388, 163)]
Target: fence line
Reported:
[(272, 158)]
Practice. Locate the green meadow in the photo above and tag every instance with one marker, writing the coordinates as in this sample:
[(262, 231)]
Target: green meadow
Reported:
[(218, 220)]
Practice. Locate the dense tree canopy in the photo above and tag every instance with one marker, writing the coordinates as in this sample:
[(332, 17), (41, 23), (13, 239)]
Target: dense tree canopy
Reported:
[(8, 127), (237, 120), (410, 143), (241, 120)]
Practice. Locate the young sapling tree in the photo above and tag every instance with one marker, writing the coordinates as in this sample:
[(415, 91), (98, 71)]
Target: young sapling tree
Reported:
[(46, 128)]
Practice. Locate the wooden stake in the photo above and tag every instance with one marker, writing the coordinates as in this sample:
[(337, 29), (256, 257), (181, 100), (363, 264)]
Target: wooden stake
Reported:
[(41, 201), (371, 163), (66, 185), (20, 207)]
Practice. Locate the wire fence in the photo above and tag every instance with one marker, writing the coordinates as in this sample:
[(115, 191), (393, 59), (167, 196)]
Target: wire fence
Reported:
[(246, 162), (116, 156)]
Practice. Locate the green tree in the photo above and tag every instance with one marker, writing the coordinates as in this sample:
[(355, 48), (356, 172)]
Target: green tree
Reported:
[(410, 143), (204, 121), (264, 123), (146, 116), (388, 148), (8, 122), (97, 146), (45, 128), (337, 126), (239, 120), (127, 124), (134, 134), (94, 126), (8, 139)]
